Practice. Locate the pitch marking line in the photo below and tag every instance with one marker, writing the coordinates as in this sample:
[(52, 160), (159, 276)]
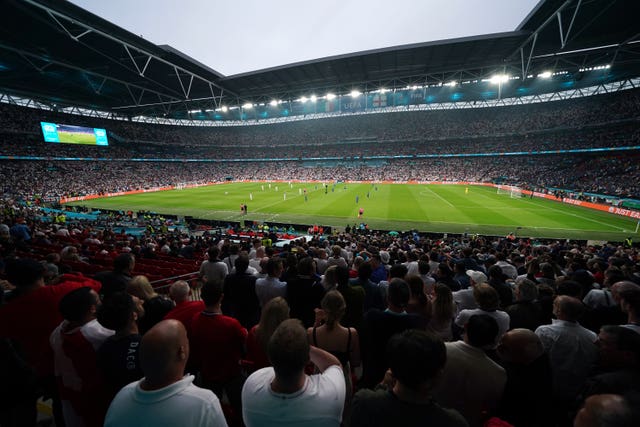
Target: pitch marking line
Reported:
[(570, 214), (438, 196)]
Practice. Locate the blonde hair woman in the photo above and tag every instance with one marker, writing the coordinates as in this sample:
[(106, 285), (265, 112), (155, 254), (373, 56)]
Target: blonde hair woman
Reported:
[(155, 306), (443, 311)]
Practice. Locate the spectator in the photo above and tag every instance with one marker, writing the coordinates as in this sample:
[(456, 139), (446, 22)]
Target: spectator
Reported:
[(75, 343), (372, 292), (443, 312), (418, 302), (329, 335), (118, 358), (571, 348), (211, 331), (165, 396), (619, 363), (31, 334), (629, 296), (213, 268), (155, 306), (488, 302), (379, 326), (497, 282), (315, 400), (273, 313), (304, 292), (184, 310), (240, 299), (472, 383), (271, 287), (117, 279), (464, 298), (529, 380), (525, 312), (416, 359), (604, 410), (354, 296)]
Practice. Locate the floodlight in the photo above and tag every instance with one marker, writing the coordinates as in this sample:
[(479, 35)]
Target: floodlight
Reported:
[(414, 87), (313, 98), (331, 96), (451, 83), (247, 106), (303, 99), (273, 103), (224, 109), (355, 93), (384, 90), (499, 78), (545, 74)]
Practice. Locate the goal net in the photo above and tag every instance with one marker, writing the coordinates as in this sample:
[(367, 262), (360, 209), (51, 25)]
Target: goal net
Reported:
[(513, 191)]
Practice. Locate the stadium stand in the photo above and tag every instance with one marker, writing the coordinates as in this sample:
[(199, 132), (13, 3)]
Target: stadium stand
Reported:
[(587, 148)]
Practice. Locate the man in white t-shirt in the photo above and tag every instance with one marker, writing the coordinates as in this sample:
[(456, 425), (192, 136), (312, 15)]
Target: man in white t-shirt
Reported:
[(164, 397), (284, 394), (463, 298)]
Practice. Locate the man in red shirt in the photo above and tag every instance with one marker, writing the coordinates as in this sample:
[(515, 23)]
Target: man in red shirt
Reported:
[(184, 309), (217, 346), (31, 314)]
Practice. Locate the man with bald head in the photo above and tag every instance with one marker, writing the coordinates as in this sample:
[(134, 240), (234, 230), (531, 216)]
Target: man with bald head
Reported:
[(608, 410), (529, 381), (184, 310), (165, 396)]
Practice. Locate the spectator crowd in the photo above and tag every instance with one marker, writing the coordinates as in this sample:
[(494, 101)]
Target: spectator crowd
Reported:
[(354, 328), (357, 328)]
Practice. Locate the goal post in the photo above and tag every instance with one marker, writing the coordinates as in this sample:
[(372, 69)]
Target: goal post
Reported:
[(513, 191)]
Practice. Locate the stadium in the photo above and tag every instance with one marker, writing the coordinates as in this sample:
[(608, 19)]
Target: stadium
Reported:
[(518, 149)]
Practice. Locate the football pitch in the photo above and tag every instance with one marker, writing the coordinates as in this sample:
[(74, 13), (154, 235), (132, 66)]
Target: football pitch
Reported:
[(399, 207), (77, 138)]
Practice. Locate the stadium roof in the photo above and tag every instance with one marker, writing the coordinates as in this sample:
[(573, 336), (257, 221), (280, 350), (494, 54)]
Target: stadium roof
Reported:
[(60, 54)]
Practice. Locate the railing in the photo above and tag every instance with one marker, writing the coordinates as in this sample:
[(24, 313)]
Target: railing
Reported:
[(162, 286)]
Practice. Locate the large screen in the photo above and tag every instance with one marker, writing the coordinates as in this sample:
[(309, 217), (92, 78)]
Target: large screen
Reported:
[(54, 132)]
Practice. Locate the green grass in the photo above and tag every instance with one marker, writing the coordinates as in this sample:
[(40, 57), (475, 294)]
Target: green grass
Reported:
[(437, 208), (77, 138)]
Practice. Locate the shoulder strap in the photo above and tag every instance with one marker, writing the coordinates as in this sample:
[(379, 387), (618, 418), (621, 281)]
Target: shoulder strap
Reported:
[(315, 341)]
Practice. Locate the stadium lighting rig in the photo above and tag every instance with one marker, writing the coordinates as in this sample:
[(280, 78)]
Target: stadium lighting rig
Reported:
[(355, 93), (499, 78), (247, 106), (331, 96), (545, 74)]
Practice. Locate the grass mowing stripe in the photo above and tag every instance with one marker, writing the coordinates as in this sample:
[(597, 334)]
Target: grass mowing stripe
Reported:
[(585, 218), (440, 197), (438, 208)]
